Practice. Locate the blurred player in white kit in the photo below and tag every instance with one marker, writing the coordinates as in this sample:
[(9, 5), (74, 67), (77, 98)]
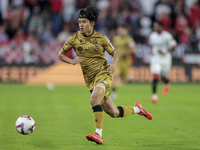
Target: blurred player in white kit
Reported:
[(161, 43)]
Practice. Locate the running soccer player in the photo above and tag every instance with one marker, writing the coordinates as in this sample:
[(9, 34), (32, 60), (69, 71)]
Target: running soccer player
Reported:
[(161, 43), (89, 46), (125, 46)]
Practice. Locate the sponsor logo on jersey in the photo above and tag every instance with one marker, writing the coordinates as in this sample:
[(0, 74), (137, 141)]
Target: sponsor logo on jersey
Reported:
[(92, 48), (94, 41)]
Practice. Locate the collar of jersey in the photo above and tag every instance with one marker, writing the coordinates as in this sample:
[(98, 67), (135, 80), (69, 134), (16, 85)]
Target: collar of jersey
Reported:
[(88, 35)]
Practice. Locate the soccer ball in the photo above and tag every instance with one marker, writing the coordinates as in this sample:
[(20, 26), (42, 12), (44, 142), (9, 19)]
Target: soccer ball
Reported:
[(25, 125)]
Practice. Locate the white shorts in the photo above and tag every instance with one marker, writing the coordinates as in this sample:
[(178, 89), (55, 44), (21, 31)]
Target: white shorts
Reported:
[(161, 69)]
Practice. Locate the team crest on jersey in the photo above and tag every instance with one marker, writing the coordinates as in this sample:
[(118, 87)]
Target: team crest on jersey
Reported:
[(94, 41), (80, 48), (111, 45)]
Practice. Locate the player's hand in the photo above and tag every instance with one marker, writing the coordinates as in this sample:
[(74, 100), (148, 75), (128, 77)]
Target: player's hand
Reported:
[(160, 52), (77, 60), (111, 68)]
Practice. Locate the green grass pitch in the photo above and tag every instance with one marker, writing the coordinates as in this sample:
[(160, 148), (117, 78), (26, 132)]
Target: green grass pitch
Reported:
[(64, 116)]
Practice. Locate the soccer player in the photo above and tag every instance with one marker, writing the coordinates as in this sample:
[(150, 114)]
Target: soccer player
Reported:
[(161, 43), (89, 46), (125, 46)]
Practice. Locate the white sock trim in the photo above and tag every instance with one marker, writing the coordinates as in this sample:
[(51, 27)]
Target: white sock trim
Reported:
[(99, 131), (136, 109)]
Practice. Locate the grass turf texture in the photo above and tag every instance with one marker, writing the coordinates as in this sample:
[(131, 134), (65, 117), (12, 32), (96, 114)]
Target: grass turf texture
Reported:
[(64, 116)]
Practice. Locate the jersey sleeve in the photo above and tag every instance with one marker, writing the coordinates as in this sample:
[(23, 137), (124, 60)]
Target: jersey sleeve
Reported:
[(69, 43), (108, 46)]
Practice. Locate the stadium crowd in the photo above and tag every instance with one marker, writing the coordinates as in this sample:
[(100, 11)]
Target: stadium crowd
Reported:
[(33, 31)]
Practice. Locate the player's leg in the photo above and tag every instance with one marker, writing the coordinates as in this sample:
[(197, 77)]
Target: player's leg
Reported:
[(116, 77), (125, 73), (164, 77), (97, 96), (155, 69), (122, 111)]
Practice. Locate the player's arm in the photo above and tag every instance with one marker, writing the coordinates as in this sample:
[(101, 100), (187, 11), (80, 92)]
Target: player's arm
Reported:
[(111, 51), (172, 45), (171, 42), (111, 66), (67, 47), (62, 56)]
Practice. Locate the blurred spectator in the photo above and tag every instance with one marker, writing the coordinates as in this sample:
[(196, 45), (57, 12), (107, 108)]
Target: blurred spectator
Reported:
[(81, 4), (198, 34), (3, 8), (68, 9), (135, 5), (115, 5), (102, 4), (46, 34), (102, 21), (194, 14), (46, 13), (145, 26), (181, 23), (25, 25), (189, 3), (194, 43), (148, 6), (24, 12), (166, 20), (17, 3), (125, 14), (64, 35), (3, 35), (36, 23), (184, 37), (179, 7), (43, 4), (28, 51), (112, 20), (162, 8), (56, 9), (20, 37), (33, 7)]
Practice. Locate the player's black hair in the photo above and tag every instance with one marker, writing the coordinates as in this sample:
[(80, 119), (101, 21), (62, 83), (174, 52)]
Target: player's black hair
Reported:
[(160, 23), (90, 13)]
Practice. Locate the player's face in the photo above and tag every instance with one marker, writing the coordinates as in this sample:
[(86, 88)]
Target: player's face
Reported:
[(122, 31), (157, 27), (85, 25)]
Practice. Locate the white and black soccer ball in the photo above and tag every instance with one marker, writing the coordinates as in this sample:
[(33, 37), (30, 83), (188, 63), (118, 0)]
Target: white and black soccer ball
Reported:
[(25, 125)]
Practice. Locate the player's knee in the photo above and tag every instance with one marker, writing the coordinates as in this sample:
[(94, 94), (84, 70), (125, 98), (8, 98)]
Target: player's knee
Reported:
[(94, 100)]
